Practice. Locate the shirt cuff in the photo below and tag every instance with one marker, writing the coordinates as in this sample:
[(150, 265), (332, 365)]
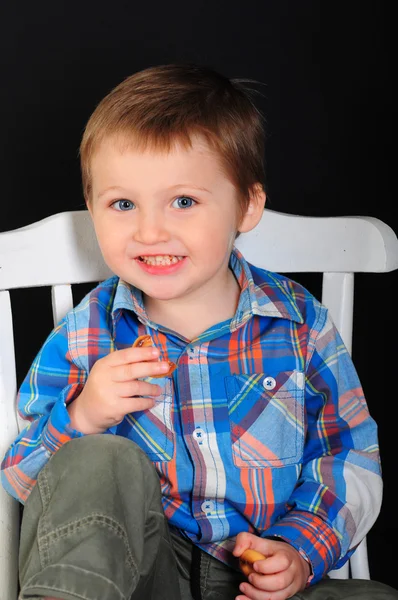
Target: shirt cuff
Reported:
[(312, 537), (58, 430)]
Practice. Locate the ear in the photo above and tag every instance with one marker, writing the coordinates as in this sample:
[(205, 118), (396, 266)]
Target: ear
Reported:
[(254, 210), (89, 207)]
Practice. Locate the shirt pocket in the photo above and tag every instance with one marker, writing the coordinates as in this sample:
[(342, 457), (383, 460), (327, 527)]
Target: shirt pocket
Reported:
[(266, 412), (152, 430)]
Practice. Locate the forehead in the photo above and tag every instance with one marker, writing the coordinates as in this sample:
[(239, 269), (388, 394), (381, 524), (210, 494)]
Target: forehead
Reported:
[(118, 152), (154, 148)]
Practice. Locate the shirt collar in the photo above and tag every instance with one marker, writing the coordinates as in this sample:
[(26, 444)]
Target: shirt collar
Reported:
[(129, 297), (263, 293)]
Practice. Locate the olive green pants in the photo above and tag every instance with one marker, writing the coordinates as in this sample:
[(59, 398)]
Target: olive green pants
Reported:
[(93, 528)]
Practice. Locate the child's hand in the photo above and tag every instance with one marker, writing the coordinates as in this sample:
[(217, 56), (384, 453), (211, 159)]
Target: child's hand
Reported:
[(283, 572), (113, 389)]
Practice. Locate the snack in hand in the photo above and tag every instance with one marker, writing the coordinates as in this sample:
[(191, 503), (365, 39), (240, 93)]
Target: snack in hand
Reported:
[(246, 560), (144, 341)]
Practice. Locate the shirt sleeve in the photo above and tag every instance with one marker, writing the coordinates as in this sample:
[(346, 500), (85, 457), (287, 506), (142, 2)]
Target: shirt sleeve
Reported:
[(53, 381), (339, 491)]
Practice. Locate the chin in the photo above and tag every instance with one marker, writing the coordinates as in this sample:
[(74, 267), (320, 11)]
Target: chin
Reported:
[(155, 295)]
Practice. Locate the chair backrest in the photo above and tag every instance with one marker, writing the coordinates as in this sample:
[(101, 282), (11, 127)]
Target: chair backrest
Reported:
[(62, 250)]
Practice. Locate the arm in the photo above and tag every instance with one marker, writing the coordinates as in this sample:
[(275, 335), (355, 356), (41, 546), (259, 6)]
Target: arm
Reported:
[(338, 494), (52, 382), (66, 396)]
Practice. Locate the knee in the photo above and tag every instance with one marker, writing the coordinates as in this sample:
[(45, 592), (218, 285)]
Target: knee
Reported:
[(102, 453), (98, 444)]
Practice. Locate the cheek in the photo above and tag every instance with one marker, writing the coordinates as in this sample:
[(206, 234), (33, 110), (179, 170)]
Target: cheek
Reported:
[(222, 232), (217, 246), (110, 240), (220, 222)]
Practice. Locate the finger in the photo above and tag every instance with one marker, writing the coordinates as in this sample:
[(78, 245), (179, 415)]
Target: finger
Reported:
[(252, 593), (139, 403), (131, 371), (138, 388), (271, 583), (244, 540), (274, 564), (132, 355)]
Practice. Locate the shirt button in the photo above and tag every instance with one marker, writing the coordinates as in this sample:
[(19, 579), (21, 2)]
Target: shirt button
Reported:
[(198, 434), (207, 506), (269, 383)]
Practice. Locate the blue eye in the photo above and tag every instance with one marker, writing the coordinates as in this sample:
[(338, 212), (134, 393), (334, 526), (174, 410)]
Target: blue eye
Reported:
[(123, 205), (183, 202)]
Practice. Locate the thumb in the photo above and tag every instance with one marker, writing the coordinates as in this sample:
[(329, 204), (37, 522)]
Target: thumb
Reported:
[(243, 541)]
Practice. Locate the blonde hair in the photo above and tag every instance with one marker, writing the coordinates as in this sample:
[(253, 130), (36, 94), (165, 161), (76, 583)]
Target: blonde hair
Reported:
[(170, 103)]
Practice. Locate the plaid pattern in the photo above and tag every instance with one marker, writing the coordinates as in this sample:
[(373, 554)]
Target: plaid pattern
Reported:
[(263, 427)]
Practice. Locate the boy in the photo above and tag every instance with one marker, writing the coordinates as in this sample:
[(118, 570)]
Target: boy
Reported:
[(260, 438)]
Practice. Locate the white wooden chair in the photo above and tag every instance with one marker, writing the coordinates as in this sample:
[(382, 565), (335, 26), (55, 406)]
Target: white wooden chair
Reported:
[(62, 250)]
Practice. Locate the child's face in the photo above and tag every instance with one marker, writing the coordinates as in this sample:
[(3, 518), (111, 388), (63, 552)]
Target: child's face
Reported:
[(165, 222)]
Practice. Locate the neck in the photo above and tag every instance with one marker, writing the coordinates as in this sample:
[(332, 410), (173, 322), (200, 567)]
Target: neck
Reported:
[(193, 317)]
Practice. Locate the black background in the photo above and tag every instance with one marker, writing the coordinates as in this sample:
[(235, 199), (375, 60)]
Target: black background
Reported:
[(327, 72)]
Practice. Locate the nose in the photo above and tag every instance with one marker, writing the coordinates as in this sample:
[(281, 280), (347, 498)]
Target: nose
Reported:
[(151, 227)]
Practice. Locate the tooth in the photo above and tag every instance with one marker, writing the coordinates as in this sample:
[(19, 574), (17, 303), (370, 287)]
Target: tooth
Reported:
[(164, 260)]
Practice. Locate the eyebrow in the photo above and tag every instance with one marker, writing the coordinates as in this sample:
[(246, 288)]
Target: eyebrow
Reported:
[(115, 188), (189, 185)]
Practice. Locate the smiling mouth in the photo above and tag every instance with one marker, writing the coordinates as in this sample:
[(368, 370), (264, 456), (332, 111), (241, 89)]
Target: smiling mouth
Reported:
[(161, 260)]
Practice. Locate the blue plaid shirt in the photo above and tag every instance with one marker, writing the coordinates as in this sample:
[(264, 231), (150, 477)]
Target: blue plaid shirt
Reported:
[(263, 427)]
